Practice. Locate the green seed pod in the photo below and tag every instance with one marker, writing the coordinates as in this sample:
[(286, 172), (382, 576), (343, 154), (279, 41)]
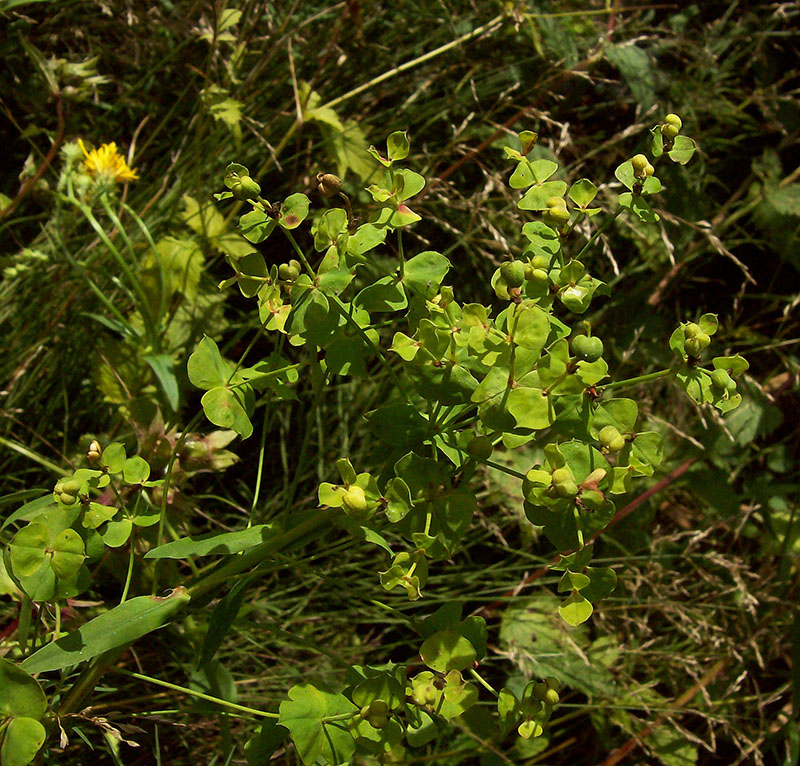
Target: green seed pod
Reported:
[(246, 189), (670, 131), (639, 162), (588, 349), (673, 119), (553, 683), (540, 261), (513, 273), (540, 690), (611, 438), (540, 276), (691, 330), (554, 202), (704, 339), (285, 272), (721, 379), (480, 447), (692, 347), (71, 487), (355, 500), (551, 697), (556, 216), (648, 170), (67, 499), (376, 714)]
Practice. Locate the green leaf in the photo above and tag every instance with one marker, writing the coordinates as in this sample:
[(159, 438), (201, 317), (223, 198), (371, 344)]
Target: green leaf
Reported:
[(224, 408), (22, 740), (446, 650), (683, 150), (136, 470), (266, 740), (213, 544), (385, 294), (536, 197), (206, 367), (293, 211), (423, 274), (603, 580), (116, 533), (582, 192), (97, 514), (162, 366), (397, 145), (572, 581), (206, 220), (639, 207), (67, 553), (303, 716), (120, 626), (113, 458), (256, 226), (575, 609), (530, 408), (22, 695)]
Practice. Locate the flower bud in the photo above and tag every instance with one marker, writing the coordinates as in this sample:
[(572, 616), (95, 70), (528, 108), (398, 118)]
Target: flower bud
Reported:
[(94, 451)]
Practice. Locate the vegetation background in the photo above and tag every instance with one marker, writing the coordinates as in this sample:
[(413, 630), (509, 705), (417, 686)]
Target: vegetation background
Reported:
[(696, 658)]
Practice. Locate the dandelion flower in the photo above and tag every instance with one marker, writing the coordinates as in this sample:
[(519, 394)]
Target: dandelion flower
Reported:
[(107, 163)]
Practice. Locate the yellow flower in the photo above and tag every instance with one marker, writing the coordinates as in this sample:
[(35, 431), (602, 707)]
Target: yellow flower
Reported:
[(106, 162)]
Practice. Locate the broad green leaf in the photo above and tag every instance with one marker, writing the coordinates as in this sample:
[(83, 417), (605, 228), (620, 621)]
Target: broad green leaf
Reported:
[(22, 740), (113, 458), (68, 553), (22, 695), (256, 226), (639, 207), (397, 145), (424, 273), (683, 150), (136, 470), (385, 294), (575, 609), (447, 650), (116, 533), (303, 713), (120, 626), (213, 544), (206, 367), (293, 211), (536, 197), (224, 408), (582, 192), (603, 581), (530, 408)]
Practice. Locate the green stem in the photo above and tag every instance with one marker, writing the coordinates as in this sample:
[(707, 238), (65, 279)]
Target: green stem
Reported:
[(485, 684), (165, 493), (638, 379), (129, 575), (597, 233), (198, 695)]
